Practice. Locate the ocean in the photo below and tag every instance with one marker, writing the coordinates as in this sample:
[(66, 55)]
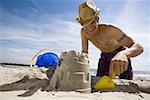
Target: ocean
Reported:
[(139, 73), (93, 71)]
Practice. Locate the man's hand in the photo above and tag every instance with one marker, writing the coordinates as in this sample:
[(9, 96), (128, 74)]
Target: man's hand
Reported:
[(118, 64)]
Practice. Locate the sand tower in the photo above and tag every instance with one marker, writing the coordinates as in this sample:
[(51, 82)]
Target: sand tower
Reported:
[(73, 74)]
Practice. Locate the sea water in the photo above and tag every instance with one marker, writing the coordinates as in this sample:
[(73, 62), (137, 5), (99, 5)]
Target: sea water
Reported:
[(136, 73)]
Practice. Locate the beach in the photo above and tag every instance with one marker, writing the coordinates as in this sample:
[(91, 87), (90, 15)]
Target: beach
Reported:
[(13, 75)]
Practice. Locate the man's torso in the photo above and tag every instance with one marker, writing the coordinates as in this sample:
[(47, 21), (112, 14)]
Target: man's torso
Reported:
[(104, 38)]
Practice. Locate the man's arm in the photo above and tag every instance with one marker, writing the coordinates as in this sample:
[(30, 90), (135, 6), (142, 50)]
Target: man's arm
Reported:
[(119, 63), (134, 48), (84, 42)]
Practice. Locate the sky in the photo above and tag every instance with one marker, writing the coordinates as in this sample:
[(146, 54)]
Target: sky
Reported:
[(27, 26)]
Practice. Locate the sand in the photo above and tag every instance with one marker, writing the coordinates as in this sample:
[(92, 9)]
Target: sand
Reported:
[(34, 78)]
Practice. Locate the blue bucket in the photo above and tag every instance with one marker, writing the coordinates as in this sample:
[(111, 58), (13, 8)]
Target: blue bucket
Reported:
[(48, 60)]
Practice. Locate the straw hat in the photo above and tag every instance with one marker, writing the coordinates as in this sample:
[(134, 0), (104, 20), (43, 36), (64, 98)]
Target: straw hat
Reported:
[(87, 12)]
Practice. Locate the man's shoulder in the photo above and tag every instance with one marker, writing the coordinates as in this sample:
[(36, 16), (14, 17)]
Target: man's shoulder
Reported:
[(110, 26), (112, 29), (82, 31)]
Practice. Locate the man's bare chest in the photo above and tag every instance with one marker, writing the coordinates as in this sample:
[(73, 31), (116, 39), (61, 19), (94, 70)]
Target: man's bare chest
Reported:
[(104, 42)]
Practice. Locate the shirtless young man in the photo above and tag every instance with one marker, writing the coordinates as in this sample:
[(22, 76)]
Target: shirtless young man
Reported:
[(117, 48)]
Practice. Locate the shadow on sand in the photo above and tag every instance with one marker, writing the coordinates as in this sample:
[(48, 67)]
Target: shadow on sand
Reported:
[(31, 85), (34, 84)]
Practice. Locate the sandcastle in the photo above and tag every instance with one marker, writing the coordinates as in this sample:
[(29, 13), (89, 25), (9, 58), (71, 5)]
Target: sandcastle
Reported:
[(73, 74)]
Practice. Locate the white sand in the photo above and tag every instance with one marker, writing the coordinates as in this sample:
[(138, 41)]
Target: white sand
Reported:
[(9, 75)]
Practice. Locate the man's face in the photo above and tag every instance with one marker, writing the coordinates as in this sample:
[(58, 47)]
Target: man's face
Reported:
[(91, 27)]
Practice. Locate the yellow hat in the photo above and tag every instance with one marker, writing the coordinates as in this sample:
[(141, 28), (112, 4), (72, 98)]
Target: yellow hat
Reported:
[(87, 12)]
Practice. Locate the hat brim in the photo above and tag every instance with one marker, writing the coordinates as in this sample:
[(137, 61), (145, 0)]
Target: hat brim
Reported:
[(88, 21)]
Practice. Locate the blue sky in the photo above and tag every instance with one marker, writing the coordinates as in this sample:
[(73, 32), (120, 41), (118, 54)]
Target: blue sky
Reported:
[(27, 26)]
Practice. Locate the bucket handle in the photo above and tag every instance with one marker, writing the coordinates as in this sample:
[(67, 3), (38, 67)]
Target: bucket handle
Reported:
[(32, 59)]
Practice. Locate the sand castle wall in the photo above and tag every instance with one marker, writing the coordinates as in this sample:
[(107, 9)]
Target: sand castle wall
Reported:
[(73, 74)]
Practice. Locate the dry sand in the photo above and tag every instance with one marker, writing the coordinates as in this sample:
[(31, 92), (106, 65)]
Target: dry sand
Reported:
[(11, 74)]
